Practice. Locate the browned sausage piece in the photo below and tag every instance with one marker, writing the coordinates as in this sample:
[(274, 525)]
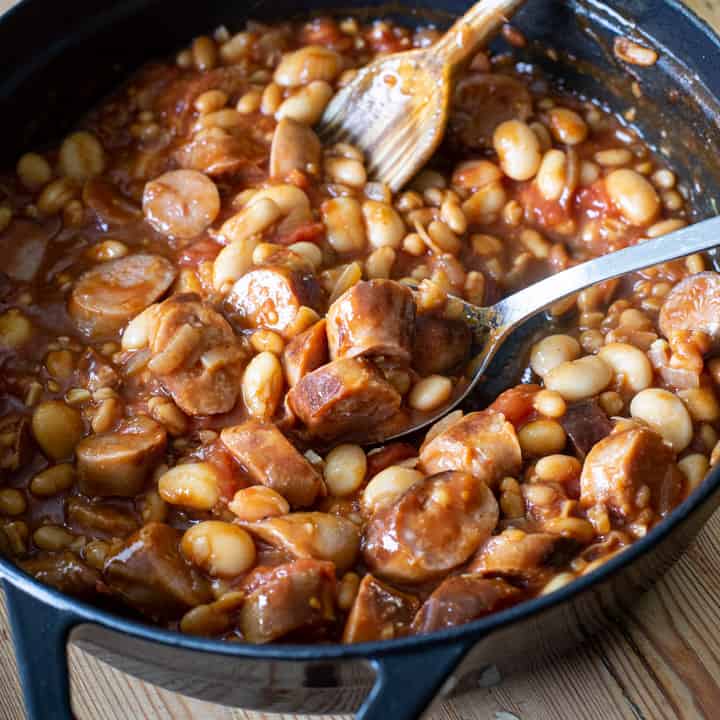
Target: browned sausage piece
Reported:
[(375, 317), (618, 466), (586, 424), (483, 444), (150, 575), (23, 244), (441, 345), (436, 525), (379, 612), (107, 296), (517, 553), (118, 463), (65, 572), (197, 356), (181, 203), (345, 398), (316, 535), (482, 101), (294, 147), (461, 599), (270, 459), (220, 153), (271, 296), (693, 304), (99, 519), (286, 598), (305, 352)]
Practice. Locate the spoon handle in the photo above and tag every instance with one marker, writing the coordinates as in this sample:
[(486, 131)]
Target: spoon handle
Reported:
[(527, 302), (472, 30)]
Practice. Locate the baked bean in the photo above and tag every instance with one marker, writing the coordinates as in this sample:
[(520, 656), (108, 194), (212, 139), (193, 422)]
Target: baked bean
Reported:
[(549, 403), (633, 195), (210, 101), (81, 156), (611, 402), (665, 413), (262, 385), (702, 403), (571, 527), (348, 590), (542, 437), (694, 467), (559, 581), (536, 244), (309, 251), (380, 263), (34, 171), (343, 219), (518, 149), (306, 65), (473, 174), (634, 53), (52, 538), (383, 225), (16, 329), (551, 174), (264, 340), (589, 173), (307, 104), (664, 227), (12, 502), (551, 351), (613, 157), (195, 485), (152, 507), (57, 194), (257, 503), (54, 480), (631, 366), (168, 414), (567, 126), (345, 468), (430, 393), (204, 53), (181, 203), (558, 468), (346, 172), (220, 548), (579, 379), (388, 485), (57, 428), (249, 102), (452, 215), (485, 203)]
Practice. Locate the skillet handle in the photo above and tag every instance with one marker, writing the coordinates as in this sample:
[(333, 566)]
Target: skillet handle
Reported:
[(406, 683), (39, 634)]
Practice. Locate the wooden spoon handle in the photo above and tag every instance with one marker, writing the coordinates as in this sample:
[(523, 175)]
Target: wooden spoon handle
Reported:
[(468, 34)]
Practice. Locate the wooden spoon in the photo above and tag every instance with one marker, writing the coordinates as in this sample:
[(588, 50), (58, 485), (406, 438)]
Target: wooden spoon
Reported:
[(396, 108)]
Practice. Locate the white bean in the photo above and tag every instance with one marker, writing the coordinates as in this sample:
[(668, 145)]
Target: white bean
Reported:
[(665, 413)]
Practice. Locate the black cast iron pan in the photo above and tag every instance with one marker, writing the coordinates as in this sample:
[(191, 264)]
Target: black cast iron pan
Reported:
[(56, 60)]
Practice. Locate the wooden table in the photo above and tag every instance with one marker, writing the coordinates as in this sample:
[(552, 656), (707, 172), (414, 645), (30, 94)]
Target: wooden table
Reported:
[(660, 661)]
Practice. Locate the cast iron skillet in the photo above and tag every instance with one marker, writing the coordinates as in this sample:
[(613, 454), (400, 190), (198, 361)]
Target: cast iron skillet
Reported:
[(56, 60)]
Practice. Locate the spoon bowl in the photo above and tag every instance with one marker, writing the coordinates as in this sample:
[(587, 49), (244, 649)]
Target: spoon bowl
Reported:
[(491, 326)]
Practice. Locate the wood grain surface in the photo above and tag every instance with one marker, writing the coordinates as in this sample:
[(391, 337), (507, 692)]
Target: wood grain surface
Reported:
[(660, 662)]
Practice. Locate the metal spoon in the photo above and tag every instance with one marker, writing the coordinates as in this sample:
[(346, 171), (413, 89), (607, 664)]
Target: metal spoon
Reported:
[(492, 325)]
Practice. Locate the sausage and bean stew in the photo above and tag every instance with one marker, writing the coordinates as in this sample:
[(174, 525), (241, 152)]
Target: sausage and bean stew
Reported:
[(206, 320)]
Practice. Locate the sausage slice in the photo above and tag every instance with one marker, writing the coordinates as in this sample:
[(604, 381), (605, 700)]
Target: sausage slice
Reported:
[(316, 535), (106, 297), (305, 352), (287, 598), (379, 612), (461, 599), (294, 147), (196, 355), (150, 575), (618, 466), (181, 203), (271, 297), (372, 318), (118, 463), (481, 443), (693, 304), (345, 398), (529, 556), (271, 460), (436, 525)]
